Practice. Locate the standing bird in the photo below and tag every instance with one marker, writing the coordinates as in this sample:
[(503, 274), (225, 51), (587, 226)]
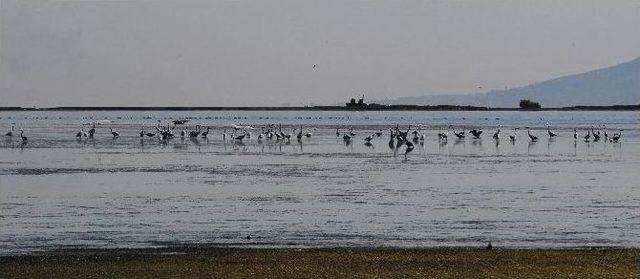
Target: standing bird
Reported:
[(92, 131), (368, 139), (299, 135), (616, 137), (194, 134), (80, 133), (205, 133), (10, 133), (512, 138), (337, 132), (588, 136), (551, 134), (496, 135), (532, 137), (575, 134), (114, 133), (596, 136), (24, 139)]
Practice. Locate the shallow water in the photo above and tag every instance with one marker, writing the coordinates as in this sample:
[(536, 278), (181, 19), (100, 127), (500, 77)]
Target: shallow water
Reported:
[(57, 192)]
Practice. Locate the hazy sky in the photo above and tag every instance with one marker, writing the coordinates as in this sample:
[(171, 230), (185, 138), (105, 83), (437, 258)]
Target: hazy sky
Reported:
[(223, 53)]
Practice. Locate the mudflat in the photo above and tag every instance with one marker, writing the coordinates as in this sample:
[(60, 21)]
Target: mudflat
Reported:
[(209, 262)]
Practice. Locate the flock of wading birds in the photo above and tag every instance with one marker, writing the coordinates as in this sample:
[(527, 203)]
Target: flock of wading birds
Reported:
[(397, 137)]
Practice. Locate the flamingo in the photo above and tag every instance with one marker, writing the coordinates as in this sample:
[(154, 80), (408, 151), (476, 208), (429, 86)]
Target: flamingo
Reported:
[(299, 135), (114, 133), (24, 139), (532, 137), (194, 134), (459, 135), (596, 136), (476, 133), (205, 133), (551, 134), (616, 137), (496, 135), (10, 133), (92, 131), (512, 138), (240, 137)]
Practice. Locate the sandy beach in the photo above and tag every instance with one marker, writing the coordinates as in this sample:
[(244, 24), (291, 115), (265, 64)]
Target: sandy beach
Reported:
[(196, 262)]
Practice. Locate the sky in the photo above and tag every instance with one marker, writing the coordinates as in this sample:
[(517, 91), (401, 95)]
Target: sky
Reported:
[(281, 52)]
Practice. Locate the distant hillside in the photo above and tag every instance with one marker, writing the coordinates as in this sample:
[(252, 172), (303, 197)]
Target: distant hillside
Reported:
[(616, 85)]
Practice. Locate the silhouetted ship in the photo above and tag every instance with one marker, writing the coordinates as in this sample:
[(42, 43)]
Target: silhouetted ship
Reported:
[(357, 105)]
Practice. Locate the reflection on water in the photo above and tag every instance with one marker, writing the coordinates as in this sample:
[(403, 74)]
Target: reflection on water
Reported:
[(56, 191)]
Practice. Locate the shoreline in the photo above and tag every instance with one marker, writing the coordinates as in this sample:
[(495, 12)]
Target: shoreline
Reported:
[(325, 263), (330, 108)]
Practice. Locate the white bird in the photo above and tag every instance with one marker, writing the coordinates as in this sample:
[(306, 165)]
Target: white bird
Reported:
[(616, 137), (496, 135), (551, 134), (205, 133), (532, 137), (92, 131), (10, 133)]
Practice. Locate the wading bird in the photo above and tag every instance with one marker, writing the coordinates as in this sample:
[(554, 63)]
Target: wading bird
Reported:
[(476, 133), (496, 135), (551, 134), (92, 131), (532, 137), (10, 133), (616, 137), (114, 133), (24, 139)]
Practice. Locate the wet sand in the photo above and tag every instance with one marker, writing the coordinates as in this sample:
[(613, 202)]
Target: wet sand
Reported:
[(208, 262)]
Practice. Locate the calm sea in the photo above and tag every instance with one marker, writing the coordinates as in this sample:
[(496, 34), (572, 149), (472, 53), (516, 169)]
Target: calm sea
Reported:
[(58, 192)]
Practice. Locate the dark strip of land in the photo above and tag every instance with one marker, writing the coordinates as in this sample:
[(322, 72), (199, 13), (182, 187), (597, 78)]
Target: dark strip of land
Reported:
[(371, 107), (325, 263)]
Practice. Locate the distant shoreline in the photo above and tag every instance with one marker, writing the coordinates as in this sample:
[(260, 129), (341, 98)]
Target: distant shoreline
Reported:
[(331, 108)]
